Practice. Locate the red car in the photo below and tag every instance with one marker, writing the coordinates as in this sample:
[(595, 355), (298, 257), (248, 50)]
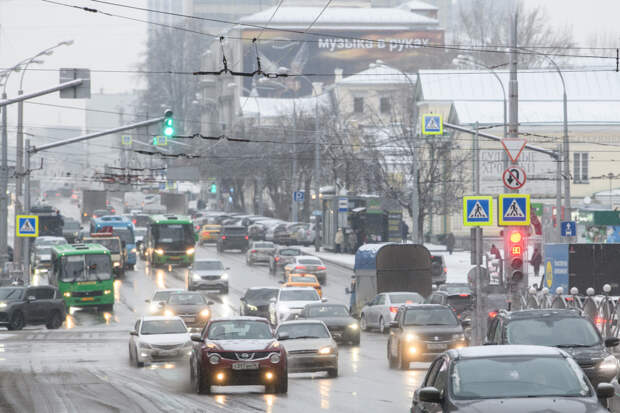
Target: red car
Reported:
[(238, 351)]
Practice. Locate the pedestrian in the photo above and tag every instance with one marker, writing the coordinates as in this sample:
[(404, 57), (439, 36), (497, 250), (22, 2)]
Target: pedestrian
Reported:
[(404, 230), (495, 252), (339, 240), (450, 241), (536, 260)]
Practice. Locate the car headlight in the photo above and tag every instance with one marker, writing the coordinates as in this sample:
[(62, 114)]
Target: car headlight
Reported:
[(457, 337), (353, 326), (159, 251), (2, 305), (190, 251), (195, 277), (274, 358), (411, 337), (154, 307), (609, 363), (67, 294), (252, 307), (40, 271), (224, 276), (107, 292), (326, 350), (214, 358), (117, 264), (145, 345), (134, 250), (205, 313), (168, 313)]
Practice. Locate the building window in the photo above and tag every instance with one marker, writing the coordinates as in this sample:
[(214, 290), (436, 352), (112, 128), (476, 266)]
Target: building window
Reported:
[(385, 105), (580, 167), (358, 105)]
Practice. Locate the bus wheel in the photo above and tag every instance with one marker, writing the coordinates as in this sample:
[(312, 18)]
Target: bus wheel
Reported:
[(108, 308)]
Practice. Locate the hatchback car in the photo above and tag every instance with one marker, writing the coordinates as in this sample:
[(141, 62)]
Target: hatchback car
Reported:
[(461, 302), (342, 327), (209, 274), (508, 379), (382, 309), (238, 351), (309, 347), (209, 233), (306, 264), (565, 329), (157, 338), (158, 301), (233, 237), (422, 331), (282, 257), (290, 302), (192, 307), (260, 251)]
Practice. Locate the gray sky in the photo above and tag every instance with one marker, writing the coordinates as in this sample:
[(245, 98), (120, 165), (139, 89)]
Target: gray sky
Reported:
[(101, 42)]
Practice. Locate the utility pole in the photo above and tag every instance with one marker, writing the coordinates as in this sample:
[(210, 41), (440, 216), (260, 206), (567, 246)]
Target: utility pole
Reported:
[(27, 208), (294, 174), (19, 171), (4, 182), (123, 151), (479, 319)]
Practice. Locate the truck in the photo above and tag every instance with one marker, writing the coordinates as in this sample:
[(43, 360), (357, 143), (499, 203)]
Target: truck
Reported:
[(92, 200), (389, 267), (174, 203), (51, 223), (582, 266), (132, 201)]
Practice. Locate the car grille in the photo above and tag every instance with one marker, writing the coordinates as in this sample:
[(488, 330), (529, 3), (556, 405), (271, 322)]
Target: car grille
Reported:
[(301, 352), (166, 346), (4, 317), (210, 277), (586, 364), (257, 355), (337, 329), (86, 293)]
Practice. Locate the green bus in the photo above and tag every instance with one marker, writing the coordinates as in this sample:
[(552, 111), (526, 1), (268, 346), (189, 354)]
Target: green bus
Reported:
[(83, 275), (170, 240)]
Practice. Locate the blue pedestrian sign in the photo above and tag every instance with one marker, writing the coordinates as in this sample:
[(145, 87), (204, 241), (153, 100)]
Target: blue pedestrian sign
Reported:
[(27, 226), (432, 125), (569, 228), (514, 209), (298, 196), (477, 211)]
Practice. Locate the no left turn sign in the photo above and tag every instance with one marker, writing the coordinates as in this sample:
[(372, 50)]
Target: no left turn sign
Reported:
[(514, 177)]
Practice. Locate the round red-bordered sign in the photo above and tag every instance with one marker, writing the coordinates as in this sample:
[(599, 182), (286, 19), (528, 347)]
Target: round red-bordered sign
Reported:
[(514, 177)]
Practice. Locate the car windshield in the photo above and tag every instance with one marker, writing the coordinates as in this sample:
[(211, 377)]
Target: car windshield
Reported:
[(460, 302), (430, 316), (328, 311), (164, 295), (289, 252), (552, 331), (406, 298), (455, 288), (113, 244), (43, 250), (50, 242), (87, 267), (303, 279), (140, 232), (239, 330), (11, 293), (207, 265), (163, 327), (309, 261), (263, 245), (299, 295), (517, 376), (304, 330), (72, 225), (186, 299), (260, 295)]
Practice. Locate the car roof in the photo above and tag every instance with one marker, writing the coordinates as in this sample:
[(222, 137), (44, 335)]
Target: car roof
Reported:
[(270, 287), (160, 317), (240, 318), (326, 305), (538, 313), (505, 351), (424, 306), (207, 260), (169, 289), (297, 288), (304, 321), (301, 257)]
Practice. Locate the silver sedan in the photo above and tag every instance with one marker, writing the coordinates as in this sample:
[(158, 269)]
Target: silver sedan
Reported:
[(380, 311)]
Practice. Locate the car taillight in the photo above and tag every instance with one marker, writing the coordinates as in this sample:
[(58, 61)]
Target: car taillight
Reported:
[(134, 221), (463, 295), (445, 269), (393, 309), (253, 251), (247, 237), (223, 236), (493, 314), (321, 267), (57, 193), (300, 267), (277, 259)]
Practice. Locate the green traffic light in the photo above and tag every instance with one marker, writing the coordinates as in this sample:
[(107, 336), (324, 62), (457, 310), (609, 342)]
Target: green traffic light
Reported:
[(213, 188), (168, 127)]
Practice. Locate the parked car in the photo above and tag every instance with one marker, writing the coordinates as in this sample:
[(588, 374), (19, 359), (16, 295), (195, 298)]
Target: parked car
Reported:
[(282, 257), (341, 325), (439, 270), (256, 231), (192, 307), (256, 301), (304, 234), (309, 347), (291, 301), (563, 328), (270, 226), (382, 309), (22, 306), (238, 351), (303, 280), (282, 235), (208, 274), (158, 338), (233, 238), (508, 379), (71, 230), (260, 251), (420, 331), (210, 233), (306, 264)]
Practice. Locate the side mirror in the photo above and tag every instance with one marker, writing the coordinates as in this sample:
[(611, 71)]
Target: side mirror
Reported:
[(197, 338), (147, 301), (429, 395), (272, 300), (133, 333), (31, 298), (466, 323), (347, 290), (612, 342), (393, 324), (605, 390), (323, 300), (228, 268), (283, 336), (210, 302)]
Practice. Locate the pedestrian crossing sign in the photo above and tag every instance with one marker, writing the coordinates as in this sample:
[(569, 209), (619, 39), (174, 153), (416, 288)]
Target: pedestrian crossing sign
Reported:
[(27, 226), (432, 125), (514, 209), (477, 211)]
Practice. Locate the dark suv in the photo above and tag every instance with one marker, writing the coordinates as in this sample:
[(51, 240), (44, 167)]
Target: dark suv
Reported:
[(462, 302), (566, 329), (21, 306), (233, 237)]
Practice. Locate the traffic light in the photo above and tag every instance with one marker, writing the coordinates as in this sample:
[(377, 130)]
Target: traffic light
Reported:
[(516, 242), (213, 188), (168, 127)]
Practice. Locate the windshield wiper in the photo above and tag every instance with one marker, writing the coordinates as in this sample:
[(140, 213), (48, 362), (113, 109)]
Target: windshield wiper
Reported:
[(573, 345), (294, 338)]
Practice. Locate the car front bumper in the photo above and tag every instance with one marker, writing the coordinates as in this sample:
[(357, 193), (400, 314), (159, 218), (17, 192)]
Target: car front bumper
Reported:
[(231, 376), (308, 363), (424, 350), (154, 355), (344, 335), (210, 284)]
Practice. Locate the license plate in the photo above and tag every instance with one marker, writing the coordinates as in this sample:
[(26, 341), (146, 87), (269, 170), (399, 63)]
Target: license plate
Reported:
[(88, 299), (174, 258), (437, 346), (189, 319), (246, 365), (167, 353)]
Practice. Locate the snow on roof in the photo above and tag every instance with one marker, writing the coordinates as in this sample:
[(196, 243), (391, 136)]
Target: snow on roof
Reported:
[(340, 17), (378, 74), (415, 5), (254, 106)]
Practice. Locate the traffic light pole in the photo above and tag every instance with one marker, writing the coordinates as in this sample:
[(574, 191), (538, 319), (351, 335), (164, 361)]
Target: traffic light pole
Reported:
[(478, 321)]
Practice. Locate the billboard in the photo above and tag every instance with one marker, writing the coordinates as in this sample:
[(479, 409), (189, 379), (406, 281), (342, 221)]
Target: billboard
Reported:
[(352, 51)]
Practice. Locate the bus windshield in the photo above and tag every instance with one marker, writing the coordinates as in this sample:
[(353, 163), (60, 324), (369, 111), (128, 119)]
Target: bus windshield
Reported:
[(125, 234), (88, 267), (173, 233)]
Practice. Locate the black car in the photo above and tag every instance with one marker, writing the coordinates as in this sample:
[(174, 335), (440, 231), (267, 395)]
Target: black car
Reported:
[(421, 331), (343, 327), (461, 302), (282, 257), (256, 300), (565, 329), (192, 307), (233, 237), (21, 306), (524, 379)]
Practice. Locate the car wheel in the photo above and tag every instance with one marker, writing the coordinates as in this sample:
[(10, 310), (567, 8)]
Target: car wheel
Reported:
[(402, 363), (356, 340), (54, 322), (17, 321), (130, 356), (224, 291), (382, 327), (364, 323), (200, 387), (283, 384), (271, 271), (391, 360), (135, 357), (332, 372)]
